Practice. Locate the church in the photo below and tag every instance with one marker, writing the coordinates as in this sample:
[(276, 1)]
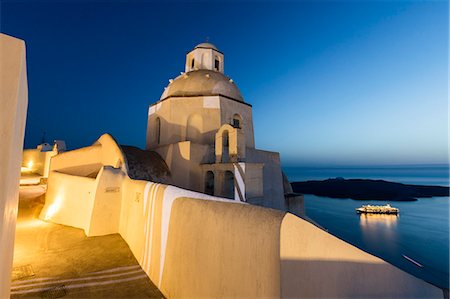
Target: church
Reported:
[(203, 129), (200, 138)]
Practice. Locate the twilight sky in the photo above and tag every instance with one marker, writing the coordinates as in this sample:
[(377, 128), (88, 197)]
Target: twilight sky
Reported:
[(331, 83)]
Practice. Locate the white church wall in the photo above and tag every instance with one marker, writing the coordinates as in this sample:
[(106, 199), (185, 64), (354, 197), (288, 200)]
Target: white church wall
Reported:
[(273, 178), (176, 114), (204, 59), (254, 180), (186, 156), (229, 108)]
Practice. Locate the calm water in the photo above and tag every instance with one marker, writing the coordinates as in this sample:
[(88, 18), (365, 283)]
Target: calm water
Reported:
[(421, 231)]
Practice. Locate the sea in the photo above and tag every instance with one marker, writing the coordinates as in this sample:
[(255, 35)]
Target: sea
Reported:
[(416, 241)]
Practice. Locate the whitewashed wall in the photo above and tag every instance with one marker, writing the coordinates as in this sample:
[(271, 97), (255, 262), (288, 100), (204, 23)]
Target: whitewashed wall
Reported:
[(13, 113)]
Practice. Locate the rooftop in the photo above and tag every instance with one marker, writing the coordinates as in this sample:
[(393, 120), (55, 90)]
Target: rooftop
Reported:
[(206, 46), (202, 83)]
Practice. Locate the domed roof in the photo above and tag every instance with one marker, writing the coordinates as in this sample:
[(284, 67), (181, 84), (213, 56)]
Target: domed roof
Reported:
[(146, 165), (202, 83), (207, 46)]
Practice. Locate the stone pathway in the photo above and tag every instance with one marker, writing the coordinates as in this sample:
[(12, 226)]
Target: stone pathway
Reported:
[(56, 261)]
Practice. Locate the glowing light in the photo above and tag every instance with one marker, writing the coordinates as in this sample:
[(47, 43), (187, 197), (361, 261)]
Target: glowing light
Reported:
[(27, 224), (386, 220), (53, 208), (30, 165)]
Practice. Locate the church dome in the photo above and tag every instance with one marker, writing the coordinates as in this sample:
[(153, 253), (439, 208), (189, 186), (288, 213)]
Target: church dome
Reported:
[(206, 46), (202, 83)]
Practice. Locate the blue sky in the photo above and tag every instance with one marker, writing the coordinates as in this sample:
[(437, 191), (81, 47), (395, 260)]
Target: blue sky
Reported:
[(331, 83)]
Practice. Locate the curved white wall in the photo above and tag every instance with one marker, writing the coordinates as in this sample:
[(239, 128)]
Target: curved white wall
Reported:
[(196, 246), (192, 245)]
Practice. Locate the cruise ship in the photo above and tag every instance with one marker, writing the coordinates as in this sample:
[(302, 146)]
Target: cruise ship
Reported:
[(386, 209)]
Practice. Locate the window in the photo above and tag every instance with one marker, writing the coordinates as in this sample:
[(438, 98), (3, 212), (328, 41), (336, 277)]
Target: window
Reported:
[(228, 185), (209, 183), (192, 63), (225, 147), (236, 122), (216, 64)]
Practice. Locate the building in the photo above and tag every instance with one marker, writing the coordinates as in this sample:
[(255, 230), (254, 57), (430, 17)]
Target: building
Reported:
[(203, 129)]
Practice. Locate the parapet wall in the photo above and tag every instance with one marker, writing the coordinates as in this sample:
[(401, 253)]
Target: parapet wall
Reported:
[(105, 151), (193, 245), (85, 188), (196, 246), (314, 263), (69, 200)]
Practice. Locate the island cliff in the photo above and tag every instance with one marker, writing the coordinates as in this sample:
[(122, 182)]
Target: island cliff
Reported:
[(362, 189)]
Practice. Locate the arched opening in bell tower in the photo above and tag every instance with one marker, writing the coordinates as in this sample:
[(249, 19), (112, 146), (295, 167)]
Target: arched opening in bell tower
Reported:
[(236, 122), (216, 64), (209, 183), (225, 147), (228, 185)]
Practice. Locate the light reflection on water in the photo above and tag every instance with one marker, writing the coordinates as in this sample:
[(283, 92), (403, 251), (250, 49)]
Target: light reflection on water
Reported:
[(378, 230), (370, 221)]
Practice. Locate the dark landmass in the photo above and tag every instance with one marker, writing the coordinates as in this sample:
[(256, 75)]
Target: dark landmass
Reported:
[(360, 189)]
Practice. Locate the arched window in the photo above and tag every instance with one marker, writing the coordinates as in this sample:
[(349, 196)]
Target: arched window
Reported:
[(225, 147), (209, 183), (237, 121), (216, 64), (228, 185), (158, 130)]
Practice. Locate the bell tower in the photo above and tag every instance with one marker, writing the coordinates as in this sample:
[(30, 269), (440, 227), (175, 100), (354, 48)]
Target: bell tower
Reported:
[(204, 56)]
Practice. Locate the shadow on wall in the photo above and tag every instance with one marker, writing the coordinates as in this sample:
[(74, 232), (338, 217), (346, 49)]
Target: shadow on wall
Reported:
[(179, 134), (343, 279), (193, 130)]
